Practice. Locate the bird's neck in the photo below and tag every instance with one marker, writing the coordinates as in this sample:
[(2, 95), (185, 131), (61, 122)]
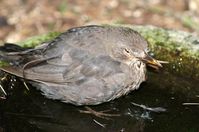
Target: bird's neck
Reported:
[(137, 75)]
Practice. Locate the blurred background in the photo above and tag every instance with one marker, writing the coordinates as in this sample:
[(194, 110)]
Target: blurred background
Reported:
[(20, 19)]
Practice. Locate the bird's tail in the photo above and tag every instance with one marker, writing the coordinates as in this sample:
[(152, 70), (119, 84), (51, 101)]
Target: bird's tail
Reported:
[(10, 47), (11, 53), (11, 56)]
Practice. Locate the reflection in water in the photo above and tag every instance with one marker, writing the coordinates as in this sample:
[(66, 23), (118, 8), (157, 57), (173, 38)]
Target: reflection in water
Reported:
[(24, 110)]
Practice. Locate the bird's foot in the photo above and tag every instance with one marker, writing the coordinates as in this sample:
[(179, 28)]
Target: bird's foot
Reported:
[(100, 114)]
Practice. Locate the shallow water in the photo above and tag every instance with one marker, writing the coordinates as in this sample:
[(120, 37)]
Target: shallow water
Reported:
[(29, 111)]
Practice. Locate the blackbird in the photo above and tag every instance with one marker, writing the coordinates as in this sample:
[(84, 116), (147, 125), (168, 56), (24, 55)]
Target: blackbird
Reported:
[(85, 65)]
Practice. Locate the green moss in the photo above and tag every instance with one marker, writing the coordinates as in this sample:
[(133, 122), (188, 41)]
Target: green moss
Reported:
[(34, 41), (179, 63)]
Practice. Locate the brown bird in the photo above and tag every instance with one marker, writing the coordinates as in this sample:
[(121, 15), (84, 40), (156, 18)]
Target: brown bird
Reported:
[(85, 65)]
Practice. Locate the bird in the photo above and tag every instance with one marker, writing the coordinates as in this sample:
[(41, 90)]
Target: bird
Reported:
[(86, 65)]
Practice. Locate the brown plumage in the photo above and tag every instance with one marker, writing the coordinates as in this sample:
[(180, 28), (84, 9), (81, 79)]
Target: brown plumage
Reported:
[(85, 65)]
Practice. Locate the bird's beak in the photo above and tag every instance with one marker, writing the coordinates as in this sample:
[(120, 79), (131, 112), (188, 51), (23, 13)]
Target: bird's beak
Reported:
[(151, 62)]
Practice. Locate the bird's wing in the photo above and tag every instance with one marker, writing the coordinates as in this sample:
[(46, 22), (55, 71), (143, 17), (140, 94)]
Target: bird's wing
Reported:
[(87, 81), (78, 80), (73, 66)]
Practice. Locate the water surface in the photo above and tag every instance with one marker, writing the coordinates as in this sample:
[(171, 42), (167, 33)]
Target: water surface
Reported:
[(29, 111)]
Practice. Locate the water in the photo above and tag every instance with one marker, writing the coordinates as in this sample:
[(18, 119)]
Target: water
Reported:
[(29, 111)]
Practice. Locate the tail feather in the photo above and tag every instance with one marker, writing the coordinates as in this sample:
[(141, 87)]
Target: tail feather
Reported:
[(10, 47), (12, 70), (13, 53)]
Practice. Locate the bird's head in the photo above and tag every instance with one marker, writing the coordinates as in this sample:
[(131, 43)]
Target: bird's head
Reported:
[(131, 47), (129, 55), (128, 46)]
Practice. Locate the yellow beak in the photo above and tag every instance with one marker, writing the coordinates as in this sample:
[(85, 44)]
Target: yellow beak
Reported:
[(151, 62)]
